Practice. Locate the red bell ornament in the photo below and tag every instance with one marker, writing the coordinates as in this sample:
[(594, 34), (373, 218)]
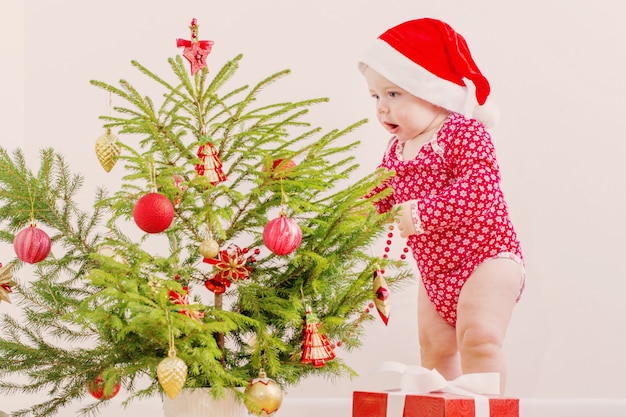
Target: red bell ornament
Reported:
[(32, 244), (316, 348), (282, 235), (153, 213)]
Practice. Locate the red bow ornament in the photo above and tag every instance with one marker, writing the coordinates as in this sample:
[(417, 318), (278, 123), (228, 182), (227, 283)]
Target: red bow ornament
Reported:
[(231, 264)]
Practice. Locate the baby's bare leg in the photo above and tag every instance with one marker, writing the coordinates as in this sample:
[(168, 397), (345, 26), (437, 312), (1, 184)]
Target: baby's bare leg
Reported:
[(437, 339), (485, 307)]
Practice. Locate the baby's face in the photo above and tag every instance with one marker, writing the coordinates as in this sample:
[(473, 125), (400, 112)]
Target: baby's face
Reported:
[(401, 113)]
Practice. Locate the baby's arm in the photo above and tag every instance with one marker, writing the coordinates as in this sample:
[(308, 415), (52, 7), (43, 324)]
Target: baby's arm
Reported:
[(384, 204), (408, 220), (471, 156)]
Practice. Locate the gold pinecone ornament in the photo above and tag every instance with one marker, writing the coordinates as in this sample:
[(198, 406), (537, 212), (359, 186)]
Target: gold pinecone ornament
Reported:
[(172, 374), (107, 150)]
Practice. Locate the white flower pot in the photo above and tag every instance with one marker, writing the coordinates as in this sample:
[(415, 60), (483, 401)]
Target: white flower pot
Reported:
[(198, 402)]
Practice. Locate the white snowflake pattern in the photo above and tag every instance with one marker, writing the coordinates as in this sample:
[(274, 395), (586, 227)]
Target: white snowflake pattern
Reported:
[(455, 181)]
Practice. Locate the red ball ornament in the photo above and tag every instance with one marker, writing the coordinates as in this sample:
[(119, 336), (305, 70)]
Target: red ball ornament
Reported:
[(153, 213), (282, 235), (279, 164), (281, 167), (32, 244), (96, 389)]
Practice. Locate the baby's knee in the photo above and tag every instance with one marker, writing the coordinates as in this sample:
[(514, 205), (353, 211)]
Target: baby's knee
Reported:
[(479, 337), (438, 345)]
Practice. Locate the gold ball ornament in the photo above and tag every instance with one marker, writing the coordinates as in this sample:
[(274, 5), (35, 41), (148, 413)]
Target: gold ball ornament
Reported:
[(264, 396), (107, 150), (172, 374), (110, 252), (209, 248)]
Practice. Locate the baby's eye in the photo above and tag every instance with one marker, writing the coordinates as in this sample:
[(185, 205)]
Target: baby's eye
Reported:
[(375, 96), (393, 94)]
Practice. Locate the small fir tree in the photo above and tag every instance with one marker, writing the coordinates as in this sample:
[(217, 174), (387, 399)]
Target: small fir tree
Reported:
[(111, 301)]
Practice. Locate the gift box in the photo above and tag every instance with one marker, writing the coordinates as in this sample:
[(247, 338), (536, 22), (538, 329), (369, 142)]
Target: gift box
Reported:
[(436, 404)]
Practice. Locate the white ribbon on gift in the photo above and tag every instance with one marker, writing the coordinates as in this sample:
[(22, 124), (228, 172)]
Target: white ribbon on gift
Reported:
[(419, 380)]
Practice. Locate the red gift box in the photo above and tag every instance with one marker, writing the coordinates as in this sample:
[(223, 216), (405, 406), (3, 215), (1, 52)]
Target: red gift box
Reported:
[(374, 404)]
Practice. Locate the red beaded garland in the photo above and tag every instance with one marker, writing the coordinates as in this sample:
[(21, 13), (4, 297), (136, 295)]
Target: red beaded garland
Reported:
[(386, 250)]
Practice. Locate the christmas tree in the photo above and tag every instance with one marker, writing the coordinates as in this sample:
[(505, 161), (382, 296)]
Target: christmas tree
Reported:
[(236, 240)]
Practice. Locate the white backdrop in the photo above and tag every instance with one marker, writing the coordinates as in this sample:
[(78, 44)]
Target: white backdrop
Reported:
[(556, 69)]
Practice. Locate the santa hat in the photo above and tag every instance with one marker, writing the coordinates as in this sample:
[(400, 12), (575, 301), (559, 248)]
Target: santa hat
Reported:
[(427, 58)]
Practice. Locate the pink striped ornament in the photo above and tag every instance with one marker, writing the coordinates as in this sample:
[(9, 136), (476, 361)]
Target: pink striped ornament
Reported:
[(32, 244)]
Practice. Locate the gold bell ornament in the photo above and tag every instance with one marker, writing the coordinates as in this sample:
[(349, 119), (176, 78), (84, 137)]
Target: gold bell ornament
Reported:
[(264, 395), (172, 374), (107, 150)]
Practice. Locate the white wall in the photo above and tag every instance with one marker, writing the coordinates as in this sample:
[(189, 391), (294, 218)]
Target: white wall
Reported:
[(556, 69)]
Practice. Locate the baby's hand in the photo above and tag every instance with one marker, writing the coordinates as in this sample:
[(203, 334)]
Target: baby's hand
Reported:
[(405, 220)]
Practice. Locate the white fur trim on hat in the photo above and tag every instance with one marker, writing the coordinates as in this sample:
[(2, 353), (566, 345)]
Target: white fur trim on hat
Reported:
[(405, 73), (488, 114)]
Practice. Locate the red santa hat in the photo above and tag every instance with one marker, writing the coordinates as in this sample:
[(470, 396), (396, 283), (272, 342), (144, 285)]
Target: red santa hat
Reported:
[(427, 58)]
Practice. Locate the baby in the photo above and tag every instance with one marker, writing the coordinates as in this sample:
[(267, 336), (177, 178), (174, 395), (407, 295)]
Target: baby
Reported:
[(447, 187)]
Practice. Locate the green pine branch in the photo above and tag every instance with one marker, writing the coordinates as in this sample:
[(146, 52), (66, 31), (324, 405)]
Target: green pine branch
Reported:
[(100, 304)]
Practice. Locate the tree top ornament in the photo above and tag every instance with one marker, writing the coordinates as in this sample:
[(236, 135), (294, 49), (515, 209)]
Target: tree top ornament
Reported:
[(195, 51)]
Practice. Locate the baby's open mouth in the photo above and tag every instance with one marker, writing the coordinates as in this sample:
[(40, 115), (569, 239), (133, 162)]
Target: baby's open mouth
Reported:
[(391, 126)]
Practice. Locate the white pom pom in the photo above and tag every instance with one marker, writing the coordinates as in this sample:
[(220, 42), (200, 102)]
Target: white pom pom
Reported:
[(488, 114)]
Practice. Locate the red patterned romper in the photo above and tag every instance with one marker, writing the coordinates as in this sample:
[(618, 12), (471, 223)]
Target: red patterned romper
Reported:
[(455, 179)]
